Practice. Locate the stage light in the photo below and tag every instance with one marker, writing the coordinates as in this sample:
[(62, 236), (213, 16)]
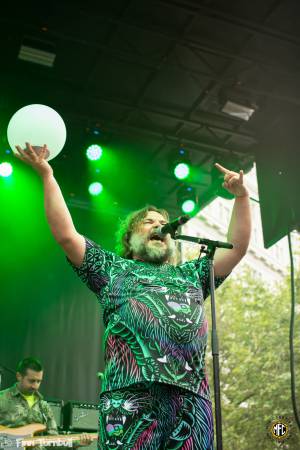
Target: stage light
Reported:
[(5, 169), (95, 188), (181, 171), (237, 102), (179, 163), (37, 51), (187, 198), (94, 141), (94, 152), (188, 206)]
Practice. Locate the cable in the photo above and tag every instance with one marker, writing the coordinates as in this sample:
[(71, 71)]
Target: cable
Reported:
[(292, 326)]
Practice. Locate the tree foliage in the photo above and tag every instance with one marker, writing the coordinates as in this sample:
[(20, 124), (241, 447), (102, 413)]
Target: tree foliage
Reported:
[(253, 323)]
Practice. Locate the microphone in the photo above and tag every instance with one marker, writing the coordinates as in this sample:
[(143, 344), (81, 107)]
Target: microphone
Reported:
[(171, 227)]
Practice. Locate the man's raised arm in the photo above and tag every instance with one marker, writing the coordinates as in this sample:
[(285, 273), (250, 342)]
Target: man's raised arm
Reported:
[(239, 231), (57, 213)]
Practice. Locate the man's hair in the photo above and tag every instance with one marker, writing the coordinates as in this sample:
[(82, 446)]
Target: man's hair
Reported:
[(129, 225), (29, 363)]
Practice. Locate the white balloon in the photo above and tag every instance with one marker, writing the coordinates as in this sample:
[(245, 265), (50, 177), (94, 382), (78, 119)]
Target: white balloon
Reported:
[(38, 125)]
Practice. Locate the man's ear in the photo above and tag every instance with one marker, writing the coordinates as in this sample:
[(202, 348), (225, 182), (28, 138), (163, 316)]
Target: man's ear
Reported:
[(19, 376)]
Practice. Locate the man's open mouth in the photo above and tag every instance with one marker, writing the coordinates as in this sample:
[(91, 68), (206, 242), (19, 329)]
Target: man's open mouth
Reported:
[(156, 237)]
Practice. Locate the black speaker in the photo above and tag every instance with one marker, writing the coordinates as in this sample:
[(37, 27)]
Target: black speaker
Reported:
[(278, 165), (80, 416), (57, 409)]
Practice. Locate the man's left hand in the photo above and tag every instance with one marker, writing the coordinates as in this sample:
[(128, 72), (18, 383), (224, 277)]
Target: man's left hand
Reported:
[(84, 440), (233, 181)]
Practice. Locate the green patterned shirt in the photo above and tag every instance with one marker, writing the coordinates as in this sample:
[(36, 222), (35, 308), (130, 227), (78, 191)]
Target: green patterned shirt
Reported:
[(155, 327)]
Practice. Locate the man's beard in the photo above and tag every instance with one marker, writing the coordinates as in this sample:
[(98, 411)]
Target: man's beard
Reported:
[(148, 250)]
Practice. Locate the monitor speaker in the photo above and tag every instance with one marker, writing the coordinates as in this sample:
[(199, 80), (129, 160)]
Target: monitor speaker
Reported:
[(57, 409), (81, 416)]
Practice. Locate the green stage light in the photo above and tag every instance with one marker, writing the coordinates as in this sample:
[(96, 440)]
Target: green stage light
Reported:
[(95, 188), (188, 206), (5, 169), (94, 152), (179, 163), (187, 198), (181, 171)]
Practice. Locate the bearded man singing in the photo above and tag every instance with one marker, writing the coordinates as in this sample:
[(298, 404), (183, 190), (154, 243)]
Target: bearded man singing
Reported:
[(155, 392)]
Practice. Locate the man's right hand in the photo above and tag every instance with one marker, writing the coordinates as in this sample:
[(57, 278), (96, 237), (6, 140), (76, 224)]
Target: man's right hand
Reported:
[(36, 160)]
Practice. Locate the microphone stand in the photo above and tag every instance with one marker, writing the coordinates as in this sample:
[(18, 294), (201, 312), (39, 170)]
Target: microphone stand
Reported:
[(210, 251)]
